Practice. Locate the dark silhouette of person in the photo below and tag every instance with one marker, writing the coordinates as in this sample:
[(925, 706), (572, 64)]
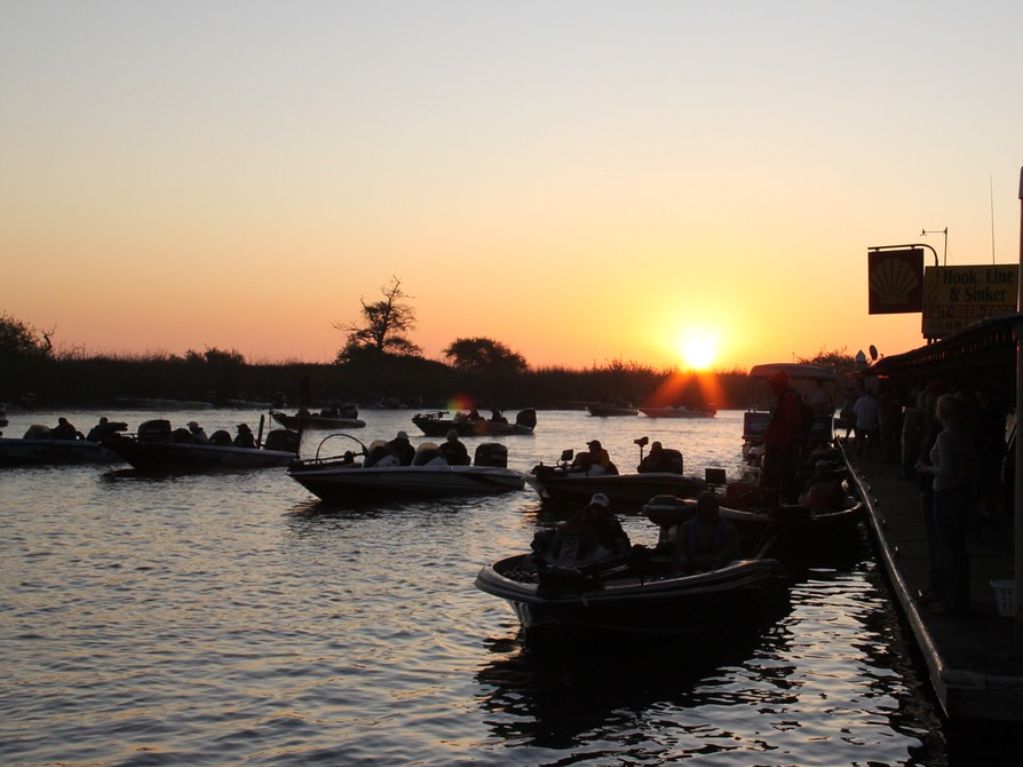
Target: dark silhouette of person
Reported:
[(64, 430), (102, 430), (593, 533), (244, 438), (497, 417), (656, 460), (402, 449), (454, 452), (782, 439), (706, 541)]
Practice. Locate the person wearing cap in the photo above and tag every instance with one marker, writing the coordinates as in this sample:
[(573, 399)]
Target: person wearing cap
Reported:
[(244, 438), (595, 460), (197, 432), (595, 532), (782, 439), (64, 430), (656, 460), (402, 449), (454, 452), (706, 541)]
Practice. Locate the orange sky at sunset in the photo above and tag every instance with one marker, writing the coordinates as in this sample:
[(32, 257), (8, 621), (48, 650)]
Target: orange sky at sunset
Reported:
[(582, 181)]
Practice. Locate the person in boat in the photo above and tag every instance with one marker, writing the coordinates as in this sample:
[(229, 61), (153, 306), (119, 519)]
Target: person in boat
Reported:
[(656, 460), (595, 461), (782, 439), (198, 433), (102, 430), (64, 430), (401, 449), (453, 450), (474, 415), (594, 533), (244, 437), (706, 541), (822, 493), (496, 416)]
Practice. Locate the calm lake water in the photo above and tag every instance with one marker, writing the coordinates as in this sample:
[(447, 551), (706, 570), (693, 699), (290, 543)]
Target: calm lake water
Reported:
[(233, 619)]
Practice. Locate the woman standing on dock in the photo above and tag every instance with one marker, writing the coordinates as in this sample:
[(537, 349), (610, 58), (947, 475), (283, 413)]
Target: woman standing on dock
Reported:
[(953, 464)]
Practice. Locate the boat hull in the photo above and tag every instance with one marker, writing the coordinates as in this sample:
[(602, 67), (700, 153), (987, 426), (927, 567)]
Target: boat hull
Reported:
[(315, 422), (687, 606), (676, 412), (604, 411), (574, 489), (437, 427), (354, 485), (30, 452), (172, 457)]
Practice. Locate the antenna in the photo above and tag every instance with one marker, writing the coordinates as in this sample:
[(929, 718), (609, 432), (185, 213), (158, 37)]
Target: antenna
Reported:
[(991, 182)]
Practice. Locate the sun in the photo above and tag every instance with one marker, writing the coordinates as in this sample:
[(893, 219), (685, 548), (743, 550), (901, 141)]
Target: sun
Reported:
[(698, 348)]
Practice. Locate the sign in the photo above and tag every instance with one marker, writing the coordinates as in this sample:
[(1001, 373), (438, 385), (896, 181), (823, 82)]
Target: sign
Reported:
[(957, 296), (895, 279)]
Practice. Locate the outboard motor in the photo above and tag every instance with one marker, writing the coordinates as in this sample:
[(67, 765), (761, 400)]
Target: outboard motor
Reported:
[(675, 457), (282, 439), (526, 418), (156, 430), (492, 454)]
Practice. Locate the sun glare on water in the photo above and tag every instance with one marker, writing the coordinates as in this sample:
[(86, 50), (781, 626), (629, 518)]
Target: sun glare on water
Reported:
[(698, 348)]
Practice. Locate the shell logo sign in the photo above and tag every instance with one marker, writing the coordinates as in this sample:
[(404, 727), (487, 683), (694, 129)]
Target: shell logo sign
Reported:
[(896, 280)]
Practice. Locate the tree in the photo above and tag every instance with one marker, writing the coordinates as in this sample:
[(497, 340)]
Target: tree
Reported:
[(18, 339), (383, 327), (478, 355), (215, 356), (838, 360)]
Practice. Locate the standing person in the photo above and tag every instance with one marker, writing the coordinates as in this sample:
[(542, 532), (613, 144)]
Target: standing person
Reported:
[(930, 428), (782, 438), (953, 464), (848, 411), (868, 415)]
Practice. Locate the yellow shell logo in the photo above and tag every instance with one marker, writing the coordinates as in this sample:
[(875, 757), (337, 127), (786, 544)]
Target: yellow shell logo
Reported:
[(892, 281)]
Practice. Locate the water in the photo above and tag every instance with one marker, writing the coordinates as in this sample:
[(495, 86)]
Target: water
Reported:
[(232, 619)]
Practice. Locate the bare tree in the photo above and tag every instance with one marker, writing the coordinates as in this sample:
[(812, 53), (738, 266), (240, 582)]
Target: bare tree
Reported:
[(383, 327)]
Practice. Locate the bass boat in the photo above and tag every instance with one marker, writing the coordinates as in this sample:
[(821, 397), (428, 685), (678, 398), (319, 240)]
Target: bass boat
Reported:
[(328, 418), (157, 449), (439, 423), (346, 480)]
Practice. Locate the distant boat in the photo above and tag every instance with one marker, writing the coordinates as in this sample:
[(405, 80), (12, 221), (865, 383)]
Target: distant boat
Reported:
[(438, 424), (604, 409), (142, 403), (679, 411), (328, 418)]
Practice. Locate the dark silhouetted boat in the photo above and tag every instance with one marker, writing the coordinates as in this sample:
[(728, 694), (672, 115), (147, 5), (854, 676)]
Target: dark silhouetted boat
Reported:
[(345, 480), (438, 424), (44, 451), (639, 595), (329, 418), (155, 448), (606, 410), (679, 411), (569, 483)]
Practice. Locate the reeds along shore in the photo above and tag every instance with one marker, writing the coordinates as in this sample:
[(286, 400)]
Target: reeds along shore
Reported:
[(59, 381)]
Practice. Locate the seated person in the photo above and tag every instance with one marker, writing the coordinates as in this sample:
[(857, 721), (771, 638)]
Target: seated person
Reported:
[(64, 430), (474, 415), (102, 430), (198, 433), (659, 459), (592, 534), (706, 541), (822, 493), (497, 417), (454, 452), (401, 449), (597, 460), (244, 438)]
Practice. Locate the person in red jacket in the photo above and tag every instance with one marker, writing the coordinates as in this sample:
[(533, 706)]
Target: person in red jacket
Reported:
[(782, 439)]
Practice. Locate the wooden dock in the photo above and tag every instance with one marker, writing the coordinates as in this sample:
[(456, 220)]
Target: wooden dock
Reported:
[(969, 658)]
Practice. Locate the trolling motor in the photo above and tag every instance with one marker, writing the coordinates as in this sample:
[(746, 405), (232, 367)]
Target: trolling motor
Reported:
[(642, 442)]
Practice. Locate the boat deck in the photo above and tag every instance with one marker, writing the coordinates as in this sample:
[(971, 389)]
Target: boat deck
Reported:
[(968, 658)]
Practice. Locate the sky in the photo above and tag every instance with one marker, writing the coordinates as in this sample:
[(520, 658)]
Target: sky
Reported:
[(586, 182)]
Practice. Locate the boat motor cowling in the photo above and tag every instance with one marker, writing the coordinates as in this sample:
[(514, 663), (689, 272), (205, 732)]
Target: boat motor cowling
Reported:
[(492, 454)]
